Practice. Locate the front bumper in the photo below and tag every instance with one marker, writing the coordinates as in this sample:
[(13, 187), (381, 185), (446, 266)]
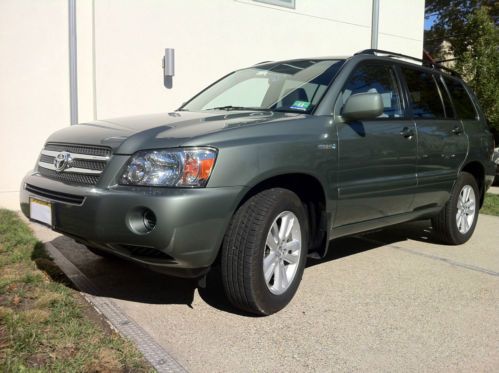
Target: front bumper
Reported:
[(190, 223)]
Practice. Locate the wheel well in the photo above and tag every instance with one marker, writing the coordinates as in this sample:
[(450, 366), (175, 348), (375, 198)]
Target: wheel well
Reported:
[(311, 193), (477, 170)]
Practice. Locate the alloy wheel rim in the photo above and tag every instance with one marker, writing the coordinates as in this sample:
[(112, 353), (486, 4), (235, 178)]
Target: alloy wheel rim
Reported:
[(466, 209), (282, 252)]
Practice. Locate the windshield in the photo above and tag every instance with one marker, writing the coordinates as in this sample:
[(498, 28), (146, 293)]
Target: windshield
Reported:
[(293, 86)]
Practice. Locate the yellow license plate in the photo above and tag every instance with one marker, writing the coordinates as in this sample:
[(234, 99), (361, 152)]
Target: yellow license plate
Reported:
[(40, 210)]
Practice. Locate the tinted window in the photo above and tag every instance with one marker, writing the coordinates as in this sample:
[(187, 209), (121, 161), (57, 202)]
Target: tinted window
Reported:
[(380, 79), (424, 95), (449, 112), (462, 102)]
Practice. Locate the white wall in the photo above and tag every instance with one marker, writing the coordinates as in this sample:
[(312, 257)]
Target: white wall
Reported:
[(34, 85), (121, 43), (401, 26)]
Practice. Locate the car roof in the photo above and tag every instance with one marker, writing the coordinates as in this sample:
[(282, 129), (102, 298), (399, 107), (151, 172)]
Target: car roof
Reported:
[(375, 54)]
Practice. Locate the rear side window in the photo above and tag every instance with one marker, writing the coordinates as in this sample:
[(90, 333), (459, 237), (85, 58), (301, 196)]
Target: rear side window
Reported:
[(449, 112), (462, 102), (426, 102), (376, 78)]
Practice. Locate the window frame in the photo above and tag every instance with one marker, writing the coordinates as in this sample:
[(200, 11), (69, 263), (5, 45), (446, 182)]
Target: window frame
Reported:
[(401, 88), (281, 3), (440, 79), (435, 75)]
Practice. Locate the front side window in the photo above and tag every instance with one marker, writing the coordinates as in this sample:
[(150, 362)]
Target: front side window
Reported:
[(462, 102), (294, 86), (376, 78), (426, 102)]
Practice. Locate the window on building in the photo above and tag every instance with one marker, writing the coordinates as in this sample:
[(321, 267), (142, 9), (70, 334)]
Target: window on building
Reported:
[(425, 98), (376, 78), (462, 102), (284, 3)]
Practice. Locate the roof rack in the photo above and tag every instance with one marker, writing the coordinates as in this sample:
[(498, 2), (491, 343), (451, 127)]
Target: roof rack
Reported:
[(430, 62), (259, 63)]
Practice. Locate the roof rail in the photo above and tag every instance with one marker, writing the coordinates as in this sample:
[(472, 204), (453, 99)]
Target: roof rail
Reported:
[(259, 63), (430, 63)]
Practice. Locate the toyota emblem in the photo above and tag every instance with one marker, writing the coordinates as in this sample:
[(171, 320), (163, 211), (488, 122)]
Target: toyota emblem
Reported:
[(62, 161)]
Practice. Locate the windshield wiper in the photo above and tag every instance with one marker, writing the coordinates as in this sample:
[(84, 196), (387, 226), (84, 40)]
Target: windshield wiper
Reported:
[(230, 107)]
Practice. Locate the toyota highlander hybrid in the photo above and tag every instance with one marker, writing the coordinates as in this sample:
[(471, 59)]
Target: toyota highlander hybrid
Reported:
[(267, 165)]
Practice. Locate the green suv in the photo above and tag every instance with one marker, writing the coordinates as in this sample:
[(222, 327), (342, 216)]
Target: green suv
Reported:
[(267, 165)]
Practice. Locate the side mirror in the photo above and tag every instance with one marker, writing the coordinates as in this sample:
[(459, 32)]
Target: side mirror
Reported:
[(361, 106)]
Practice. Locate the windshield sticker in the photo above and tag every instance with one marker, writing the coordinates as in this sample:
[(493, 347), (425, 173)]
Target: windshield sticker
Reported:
[(300, 105)]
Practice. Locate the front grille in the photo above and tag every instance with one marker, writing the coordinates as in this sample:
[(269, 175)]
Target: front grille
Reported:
[(99, 151), (70, 178), (56, 196), (83, 164), (77, 163)]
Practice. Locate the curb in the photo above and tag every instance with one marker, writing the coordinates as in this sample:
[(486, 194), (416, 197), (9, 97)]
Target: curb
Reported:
[(154, 353)]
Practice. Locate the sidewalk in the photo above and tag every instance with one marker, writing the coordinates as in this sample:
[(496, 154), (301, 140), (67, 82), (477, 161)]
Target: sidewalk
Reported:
[(392, 300), (493, 190)]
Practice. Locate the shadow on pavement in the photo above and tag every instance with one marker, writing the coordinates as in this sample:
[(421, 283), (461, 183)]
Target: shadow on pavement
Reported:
[(117, 278)]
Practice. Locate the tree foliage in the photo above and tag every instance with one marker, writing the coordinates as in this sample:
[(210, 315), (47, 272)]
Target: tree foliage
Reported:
[(452, 19), (479, 64), (471, 26)]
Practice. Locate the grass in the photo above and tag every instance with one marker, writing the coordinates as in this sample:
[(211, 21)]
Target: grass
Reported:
[(45, 325), (491, 204)]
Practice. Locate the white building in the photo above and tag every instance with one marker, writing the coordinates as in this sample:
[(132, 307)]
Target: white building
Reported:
[(120, 44)]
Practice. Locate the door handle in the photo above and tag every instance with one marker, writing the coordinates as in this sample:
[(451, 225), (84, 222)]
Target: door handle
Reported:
[(407, 132), (457, 130)]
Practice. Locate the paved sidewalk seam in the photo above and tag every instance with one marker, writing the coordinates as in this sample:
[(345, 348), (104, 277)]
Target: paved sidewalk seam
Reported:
[(435, 257), (154, 353)]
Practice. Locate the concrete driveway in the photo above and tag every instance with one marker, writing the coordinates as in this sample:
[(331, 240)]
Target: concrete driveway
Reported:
[(392, 300)]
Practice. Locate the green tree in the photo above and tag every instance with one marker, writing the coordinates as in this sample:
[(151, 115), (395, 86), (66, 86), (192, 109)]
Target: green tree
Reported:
[(451, 20), (479, 63), (471, 26)]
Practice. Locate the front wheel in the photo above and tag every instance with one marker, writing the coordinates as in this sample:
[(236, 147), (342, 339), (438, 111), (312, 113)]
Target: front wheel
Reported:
[(457, 221), (264, 252)]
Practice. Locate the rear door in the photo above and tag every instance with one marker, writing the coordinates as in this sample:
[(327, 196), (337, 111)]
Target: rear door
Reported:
[(442, 144), (376, 158)]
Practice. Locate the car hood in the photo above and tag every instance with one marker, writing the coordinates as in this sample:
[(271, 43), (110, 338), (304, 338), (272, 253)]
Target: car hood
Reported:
[(129, 134)]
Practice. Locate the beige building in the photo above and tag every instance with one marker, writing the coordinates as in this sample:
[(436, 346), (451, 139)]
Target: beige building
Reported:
[(118, 46)]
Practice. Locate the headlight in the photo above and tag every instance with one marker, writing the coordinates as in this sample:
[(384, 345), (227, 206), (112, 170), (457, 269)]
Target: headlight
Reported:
[(180, 168)]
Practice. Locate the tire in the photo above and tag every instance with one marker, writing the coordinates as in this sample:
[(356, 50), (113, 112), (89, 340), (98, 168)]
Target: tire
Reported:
[(448, 226), (245, 248), (101, 253)]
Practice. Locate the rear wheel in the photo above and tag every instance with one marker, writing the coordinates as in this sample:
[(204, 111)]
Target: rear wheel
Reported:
[(457, 221), (264, 252)]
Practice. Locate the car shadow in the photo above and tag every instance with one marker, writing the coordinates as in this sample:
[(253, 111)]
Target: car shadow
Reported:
[(116, 278), (420, 230)]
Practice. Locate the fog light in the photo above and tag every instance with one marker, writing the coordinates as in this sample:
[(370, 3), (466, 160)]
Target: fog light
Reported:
[(141, 220), (149, 220)]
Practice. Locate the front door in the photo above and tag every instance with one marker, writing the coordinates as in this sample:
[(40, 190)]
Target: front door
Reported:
[(376, 158)]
